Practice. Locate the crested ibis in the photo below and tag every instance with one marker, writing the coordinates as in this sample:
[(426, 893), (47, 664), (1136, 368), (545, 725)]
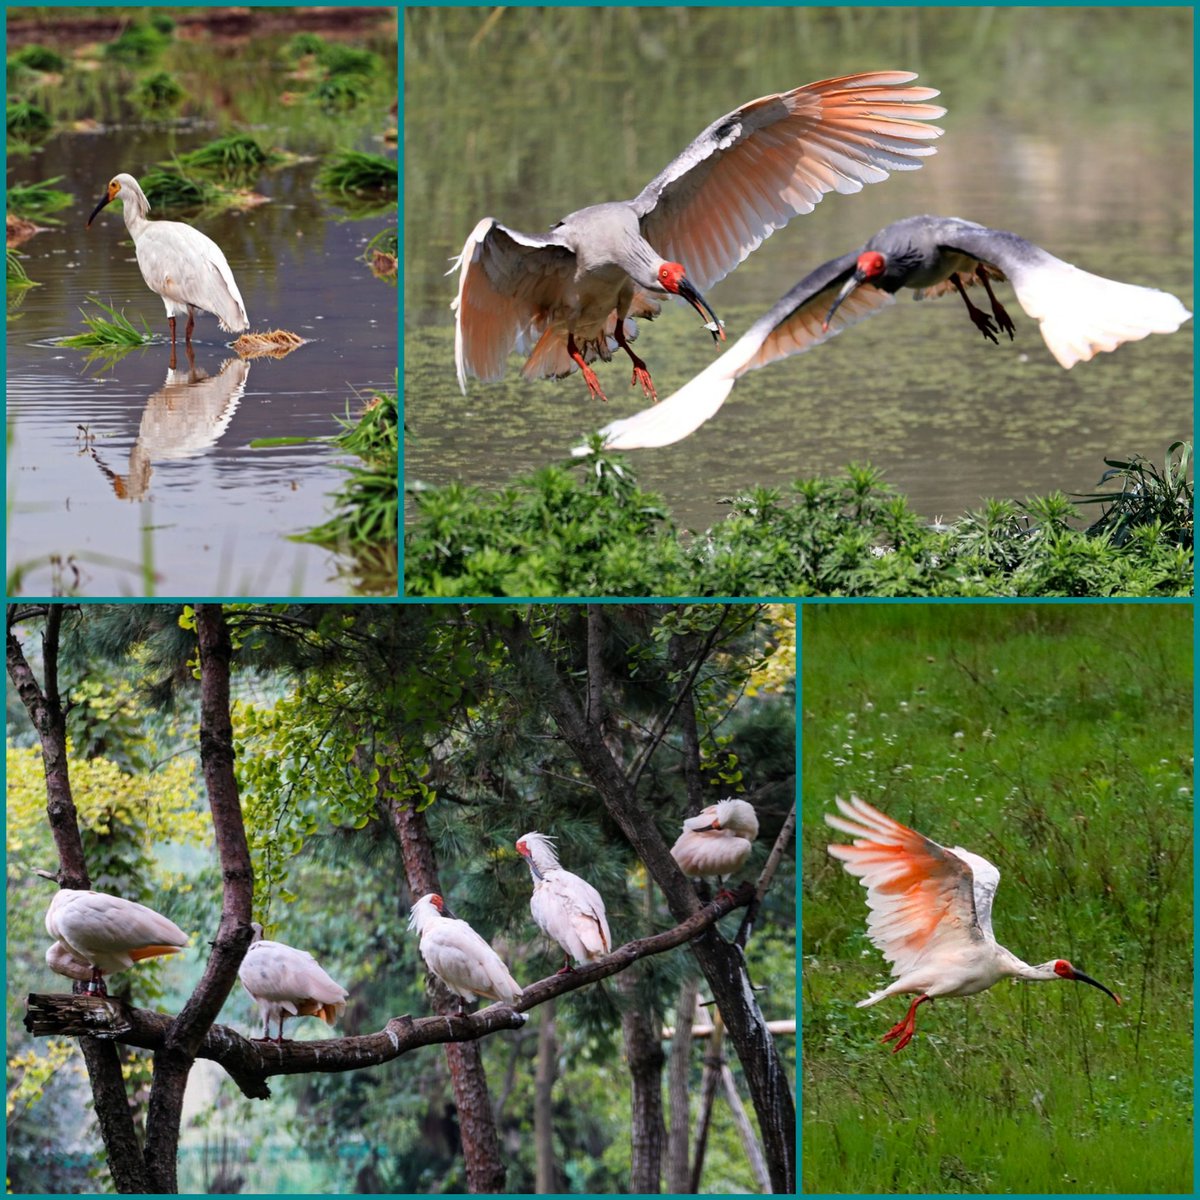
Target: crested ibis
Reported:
[(180, 264), (286, 982), (566, 297), (458, 956), (931, 914), (565, 907), (717, 840), (1080, 314), (105, 934)]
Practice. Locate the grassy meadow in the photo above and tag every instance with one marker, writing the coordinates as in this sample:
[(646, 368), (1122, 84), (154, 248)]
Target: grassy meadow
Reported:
[(1055, 741)]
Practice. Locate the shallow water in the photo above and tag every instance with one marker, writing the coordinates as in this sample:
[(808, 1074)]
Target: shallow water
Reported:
[(1072, 128), (128, 478)]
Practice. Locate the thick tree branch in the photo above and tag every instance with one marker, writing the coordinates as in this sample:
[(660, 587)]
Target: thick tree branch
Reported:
[(251, 1063)]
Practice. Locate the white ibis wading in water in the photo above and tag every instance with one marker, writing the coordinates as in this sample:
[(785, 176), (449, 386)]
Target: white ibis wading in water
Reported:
[(1080, 314), (286, 982), (565, 907), (564, 298), (178, 263), (931, 914), (458, 956), (98, 934), (716, 841)]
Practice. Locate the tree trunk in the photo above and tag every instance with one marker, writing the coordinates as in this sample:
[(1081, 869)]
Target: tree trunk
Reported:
[(745, 1130), (173, 1063), (110, 1100), (678, 1089), (644, 1052), (722, 963), (486, 1171), (543, 1107)]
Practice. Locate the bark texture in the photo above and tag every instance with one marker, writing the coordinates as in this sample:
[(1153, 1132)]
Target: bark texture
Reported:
[(644, 1054)]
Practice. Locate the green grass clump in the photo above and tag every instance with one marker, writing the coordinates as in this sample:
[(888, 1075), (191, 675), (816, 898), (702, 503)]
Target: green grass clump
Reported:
[(37, 58), (361, 174), (303, 44), (37, 199), (25, 120), (340, 92), (159, 92), (117, 333), (235, 157), (167, 189), (1147, 496), (15, 275), (587, 529), (1056, 742), (368, 504), (344, 60), (139, 42)]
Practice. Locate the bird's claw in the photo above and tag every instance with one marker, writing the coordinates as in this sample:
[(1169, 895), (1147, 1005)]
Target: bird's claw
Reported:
[(642, 376), (1004, 321), (984, 324)]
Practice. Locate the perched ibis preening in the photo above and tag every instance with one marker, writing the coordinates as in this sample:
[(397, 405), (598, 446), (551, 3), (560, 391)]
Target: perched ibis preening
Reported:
[(105, 934), (458, 956), (179, 263), (716, 841), (1080, 314), (286, 982), (565, 298), (565, 907), (931, 914)]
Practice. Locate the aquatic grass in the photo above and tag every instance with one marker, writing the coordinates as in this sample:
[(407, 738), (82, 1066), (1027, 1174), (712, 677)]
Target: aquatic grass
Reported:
[(339, 92), (37, 199), (37, 58), (168, 189), (303, 44), (1148, 496), (138, 42), (353, 172), (159, 92), (345, 60), (234, 157), (118, 333), (26, 120), (15, 275)]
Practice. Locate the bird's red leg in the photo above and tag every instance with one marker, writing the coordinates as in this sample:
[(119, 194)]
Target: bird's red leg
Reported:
[(96, 987), (982, 321), (641, 373), (566, 968), (998, 310), (187, 334), (171, 327), (589, 376), (906, 1028)]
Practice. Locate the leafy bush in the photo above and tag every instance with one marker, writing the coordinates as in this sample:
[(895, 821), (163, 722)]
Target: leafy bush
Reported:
[(38, 58), (159, 91), (588, 529), (138, 42)]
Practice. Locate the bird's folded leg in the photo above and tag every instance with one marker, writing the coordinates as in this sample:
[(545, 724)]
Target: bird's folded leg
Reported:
[(982, 321), (998, 310)]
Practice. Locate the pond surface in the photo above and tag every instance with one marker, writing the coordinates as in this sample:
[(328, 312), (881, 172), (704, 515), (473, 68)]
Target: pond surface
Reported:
[(1070, 127), (128, 477)]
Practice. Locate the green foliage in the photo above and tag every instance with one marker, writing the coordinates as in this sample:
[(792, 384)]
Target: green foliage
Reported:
[(345, 60), (303, 43), (37, 58), (26, 120), (1057, 742), (587, 529), (159, 92), (37, 199), (119, 333), (352, 172), (167, 189), (15, 275), (139, 42), (234, 157), (1148, 498)]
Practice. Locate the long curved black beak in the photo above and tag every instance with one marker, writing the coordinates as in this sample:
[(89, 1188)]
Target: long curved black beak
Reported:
[(702, 306), (1082, 978), (95, 210), (849, 286)]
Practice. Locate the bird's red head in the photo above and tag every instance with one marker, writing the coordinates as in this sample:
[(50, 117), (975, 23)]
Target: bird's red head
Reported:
[(522, 849), (1063, 969), (870, 265), (437, 902), (673, 278), (671, 275)]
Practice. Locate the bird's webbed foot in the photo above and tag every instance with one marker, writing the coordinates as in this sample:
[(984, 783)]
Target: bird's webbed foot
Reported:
[(981, 320), (1003, 320)]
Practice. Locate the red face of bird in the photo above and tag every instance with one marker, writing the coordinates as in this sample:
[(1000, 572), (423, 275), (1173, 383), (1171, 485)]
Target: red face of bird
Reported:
[(869, 267), (109, 196), (524, 850), (673, 278), (1064, 970)]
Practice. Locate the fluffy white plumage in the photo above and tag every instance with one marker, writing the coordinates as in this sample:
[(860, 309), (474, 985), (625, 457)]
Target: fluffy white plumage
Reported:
[(286, 982), (180, 264), (565, 907), (107, 933), (717, 841), (458, 956)]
